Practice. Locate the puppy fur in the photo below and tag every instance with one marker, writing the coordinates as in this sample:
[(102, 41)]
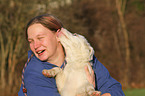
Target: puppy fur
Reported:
[(72, 80)]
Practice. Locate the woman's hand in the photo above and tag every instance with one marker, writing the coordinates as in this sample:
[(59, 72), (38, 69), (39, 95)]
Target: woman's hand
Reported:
[(90, 77)]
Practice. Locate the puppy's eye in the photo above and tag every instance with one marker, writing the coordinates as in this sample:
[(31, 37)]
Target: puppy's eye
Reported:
[(75, 34)]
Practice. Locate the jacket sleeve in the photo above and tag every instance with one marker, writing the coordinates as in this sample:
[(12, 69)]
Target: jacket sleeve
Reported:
[(35, 83), (35, 90), (104, 82)]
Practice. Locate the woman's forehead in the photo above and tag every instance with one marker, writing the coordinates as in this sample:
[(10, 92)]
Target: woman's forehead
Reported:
[(38, 30)]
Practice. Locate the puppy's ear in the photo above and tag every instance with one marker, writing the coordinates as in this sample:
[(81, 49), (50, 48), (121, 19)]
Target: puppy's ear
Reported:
[(91, 50)]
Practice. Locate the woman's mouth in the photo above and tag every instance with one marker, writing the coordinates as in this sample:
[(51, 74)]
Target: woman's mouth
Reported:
[(40, 52)]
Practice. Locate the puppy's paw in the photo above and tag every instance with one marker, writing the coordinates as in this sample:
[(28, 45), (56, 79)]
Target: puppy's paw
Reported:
[(51, 72), (48, 73), (96, 93)]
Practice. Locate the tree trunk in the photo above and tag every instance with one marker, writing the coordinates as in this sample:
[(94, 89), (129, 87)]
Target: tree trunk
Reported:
[(117, 44), (12, 62), (3, 55), (126, 43), (3, 80)]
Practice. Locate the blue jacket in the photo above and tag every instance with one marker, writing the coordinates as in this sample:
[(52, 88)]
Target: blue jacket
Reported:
[(39, 85)]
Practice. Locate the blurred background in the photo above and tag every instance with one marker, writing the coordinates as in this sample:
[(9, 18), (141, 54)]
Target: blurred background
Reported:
[(115, 29)]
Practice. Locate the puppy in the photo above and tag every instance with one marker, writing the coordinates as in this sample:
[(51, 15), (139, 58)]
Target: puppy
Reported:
[(72, 80)]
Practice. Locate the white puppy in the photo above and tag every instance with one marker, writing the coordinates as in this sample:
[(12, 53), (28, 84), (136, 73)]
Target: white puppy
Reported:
[(72, 80)]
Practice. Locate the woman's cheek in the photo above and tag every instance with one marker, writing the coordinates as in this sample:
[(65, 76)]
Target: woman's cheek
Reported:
[(31, 47)]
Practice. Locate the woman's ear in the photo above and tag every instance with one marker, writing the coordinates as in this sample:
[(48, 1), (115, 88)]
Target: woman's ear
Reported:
[(58, 33)]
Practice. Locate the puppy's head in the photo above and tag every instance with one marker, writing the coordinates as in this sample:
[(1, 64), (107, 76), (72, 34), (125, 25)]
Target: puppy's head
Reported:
[(76, 45)]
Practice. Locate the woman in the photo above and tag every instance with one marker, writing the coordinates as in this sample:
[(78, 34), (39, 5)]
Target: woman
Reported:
[(42, 35)]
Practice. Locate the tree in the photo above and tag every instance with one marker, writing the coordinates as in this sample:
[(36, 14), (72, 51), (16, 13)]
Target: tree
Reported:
[(120, 5), (13, 47)]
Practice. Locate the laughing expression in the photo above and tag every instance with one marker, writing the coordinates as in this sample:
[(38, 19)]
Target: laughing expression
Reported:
[(43, 42)]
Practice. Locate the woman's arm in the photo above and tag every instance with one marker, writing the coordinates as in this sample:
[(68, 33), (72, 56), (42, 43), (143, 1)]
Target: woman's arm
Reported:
[(91, 79), (103, 81), (106, 94)]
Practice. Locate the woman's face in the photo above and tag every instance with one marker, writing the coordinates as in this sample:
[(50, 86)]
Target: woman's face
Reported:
[(43, 42)]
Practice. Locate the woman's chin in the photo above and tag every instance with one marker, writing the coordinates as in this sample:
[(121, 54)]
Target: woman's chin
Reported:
[(43, 59)]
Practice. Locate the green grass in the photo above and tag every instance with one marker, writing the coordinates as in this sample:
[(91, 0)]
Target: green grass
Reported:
[(134, 92)]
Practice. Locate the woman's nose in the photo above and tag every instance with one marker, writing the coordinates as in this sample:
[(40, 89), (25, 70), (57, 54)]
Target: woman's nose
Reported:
[(36, 44)]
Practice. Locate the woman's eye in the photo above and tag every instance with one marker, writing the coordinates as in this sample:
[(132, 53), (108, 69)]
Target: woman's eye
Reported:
[(40, 38), (30, 41)]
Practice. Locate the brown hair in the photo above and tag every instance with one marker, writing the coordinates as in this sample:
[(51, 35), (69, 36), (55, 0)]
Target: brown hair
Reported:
[(47, 20)]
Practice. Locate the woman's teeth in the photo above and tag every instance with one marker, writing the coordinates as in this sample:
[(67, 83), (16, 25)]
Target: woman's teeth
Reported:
[(40, 51)]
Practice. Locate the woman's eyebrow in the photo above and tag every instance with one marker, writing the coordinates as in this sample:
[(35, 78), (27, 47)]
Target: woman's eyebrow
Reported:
[(30, 39), (40, 35)]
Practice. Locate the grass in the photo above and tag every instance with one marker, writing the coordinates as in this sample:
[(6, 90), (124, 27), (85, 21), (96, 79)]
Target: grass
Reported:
[(134, 92)]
